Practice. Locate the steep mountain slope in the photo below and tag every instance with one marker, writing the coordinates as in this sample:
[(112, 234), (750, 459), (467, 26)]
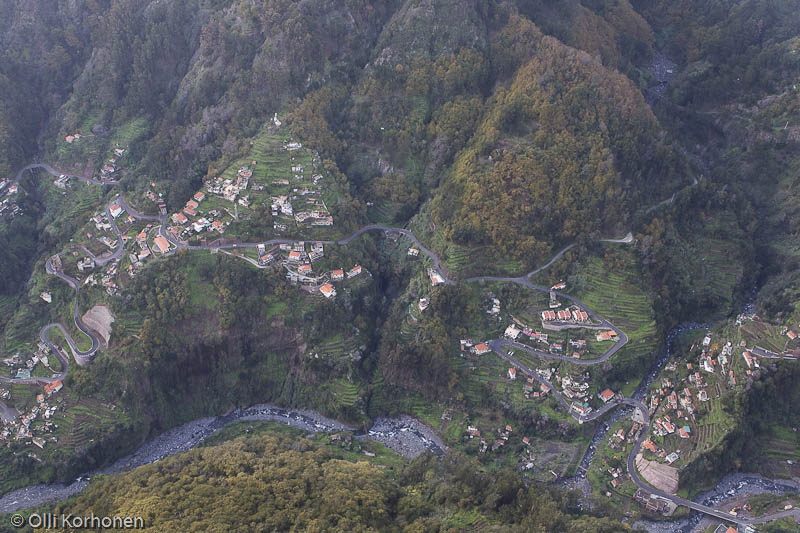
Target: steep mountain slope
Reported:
[(501, 131), (569, 148), (274, 482)]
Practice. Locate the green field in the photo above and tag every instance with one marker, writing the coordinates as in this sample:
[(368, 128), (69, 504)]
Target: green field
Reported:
[(616, 295)]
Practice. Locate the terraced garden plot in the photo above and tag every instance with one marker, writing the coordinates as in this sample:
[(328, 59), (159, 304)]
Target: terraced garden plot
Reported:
[(617, 297), (383, 212), (21, 330), (343, 392), (128, 324), (453, 430), (782, 444), (466, 261), (82, 422), (704, 437), (337, 346), (764, 335), (722, 266)]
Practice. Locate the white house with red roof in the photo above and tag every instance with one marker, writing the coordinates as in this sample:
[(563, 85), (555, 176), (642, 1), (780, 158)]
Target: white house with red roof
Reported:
[(353, 272), (607, 395), (327, 290)]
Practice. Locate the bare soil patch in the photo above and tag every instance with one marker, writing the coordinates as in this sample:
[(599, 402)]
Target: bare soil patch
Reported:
[(99, 319), (661, 476)]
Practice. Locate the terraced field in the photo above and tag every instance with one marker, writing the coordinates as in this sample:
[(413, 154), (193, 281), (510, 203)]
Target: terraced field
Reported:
[(344, 392), (337, 346), (764, 335), (128, 324), (383, 212), (722, 267), (624, 303), (713, 426), (81, 423)]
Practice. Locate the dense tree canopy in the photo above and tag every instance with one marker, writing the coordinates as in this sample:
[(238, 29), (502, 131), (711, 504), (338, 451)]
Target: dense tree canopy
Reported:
[(272, 483)]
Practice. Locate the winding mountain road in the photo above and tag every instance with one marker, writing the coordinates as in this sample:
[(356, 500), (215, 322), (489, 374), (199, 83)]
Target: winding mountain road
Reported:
[(499, 346), (53, 172)]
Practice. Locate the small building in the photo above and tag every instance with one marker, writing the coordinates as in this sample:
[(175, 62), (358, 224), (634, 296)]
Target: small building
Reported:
[(327, 290), (482, 348), (353, 272), (85, 264), (548, 316), (115, 210), (199, 196), (512, 332), (413, 252), (560, 286), (162, 244), (47, 297), (512, 373), (191, 204), (579, 315), (53, 387), (337, 275), (607, 395), (436, 278), (606, 335), (423, 304)]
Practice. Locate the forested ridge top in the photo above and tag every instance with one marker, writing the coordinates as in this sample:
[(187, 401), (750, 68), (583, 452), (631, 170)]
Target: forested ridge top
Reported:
[(297, 484), (390, 91)]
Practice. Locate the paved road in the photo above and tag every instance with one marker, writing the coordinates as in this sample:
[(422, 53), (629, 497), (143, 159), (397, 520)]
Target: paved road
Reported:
[(497, 345), (766, 354), (53, 172)]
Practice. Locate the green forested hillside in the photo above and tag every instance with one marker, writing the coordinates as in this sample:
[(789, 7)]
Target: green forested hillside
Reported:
[(499, 131), (271, 483), (565, 151)]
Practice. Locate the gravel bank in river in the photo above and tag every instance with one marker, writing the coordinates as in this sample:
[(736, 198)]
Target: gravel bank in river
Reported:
[(405, 435)]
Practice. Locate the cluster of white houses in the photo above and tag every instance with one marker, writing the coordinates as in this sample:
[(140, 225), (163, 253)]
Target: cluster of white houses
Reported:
[(8, 205), (187, 222), (22, 427)]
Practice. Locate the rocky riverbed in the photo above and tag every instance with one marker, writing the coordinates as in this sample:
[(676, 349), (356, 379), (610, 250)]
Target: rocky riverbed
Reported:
[(662, 71), (405, 435), (729, 487)]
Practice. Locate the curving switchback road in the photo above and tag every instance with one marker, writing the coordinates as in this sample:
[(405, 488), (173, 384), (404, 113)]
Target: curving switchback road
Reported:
[(499, 346)]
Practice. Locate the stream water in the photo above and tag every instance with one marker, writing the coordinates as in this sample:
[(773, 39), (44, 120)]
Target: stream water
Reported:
[(405, 435)]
